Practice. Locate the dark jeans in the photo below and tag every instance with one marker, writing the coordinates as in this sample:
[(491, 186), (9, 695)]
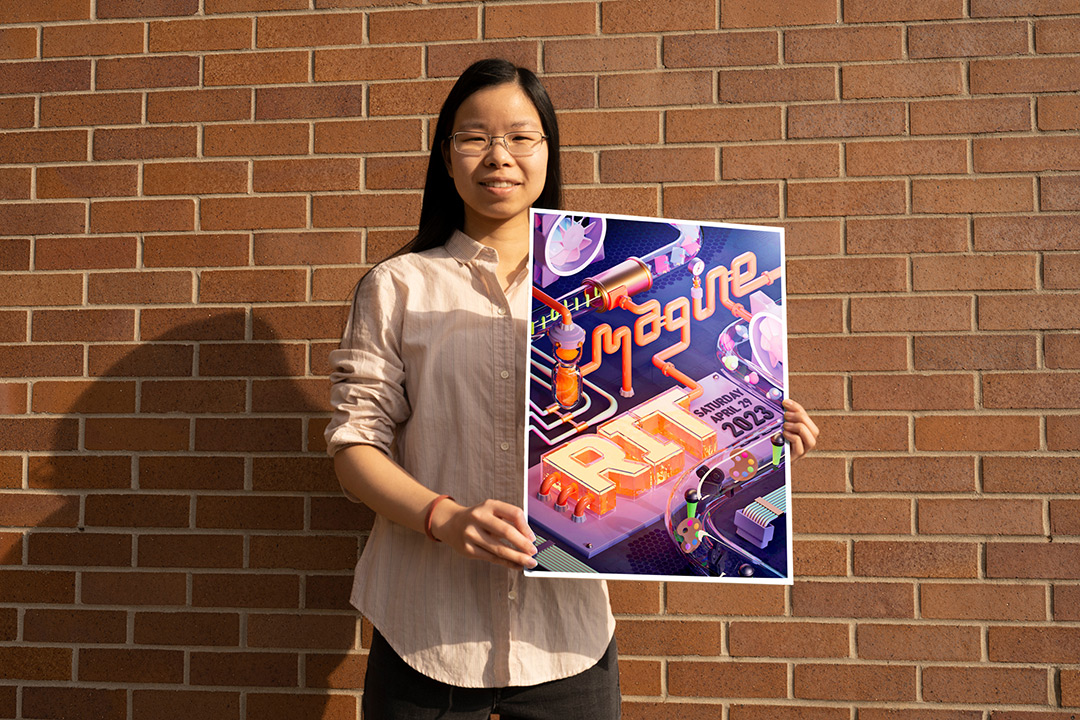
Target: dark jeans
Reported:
[(394, 691)]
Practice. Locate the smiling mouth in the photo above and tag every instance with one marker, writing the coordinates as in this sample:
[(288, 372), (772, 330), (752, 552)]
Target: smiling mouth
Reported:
[(498, 184)]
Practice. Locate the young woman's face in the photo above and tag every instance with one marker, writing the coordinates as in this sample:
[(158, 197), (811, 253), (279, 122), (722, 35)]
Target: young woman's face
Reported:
[(497, 187)]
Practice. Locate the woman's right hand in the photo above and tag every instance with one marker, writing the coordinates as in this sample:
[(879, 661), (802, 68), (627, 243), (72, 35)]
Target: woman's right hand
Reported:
[(494, 531)]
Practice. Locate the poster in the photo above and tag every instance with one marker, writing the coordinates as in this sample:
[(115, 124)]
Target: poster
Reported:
[(657, 370)]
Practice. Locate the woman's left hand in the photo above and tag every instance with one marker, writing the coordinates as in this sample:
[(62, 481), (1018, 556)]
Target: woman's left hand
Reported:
[(799, 430)]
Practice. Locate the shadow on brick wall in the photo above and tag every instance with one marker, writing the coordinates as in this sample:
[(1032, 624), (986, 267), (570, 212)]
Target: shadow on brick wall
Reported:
[(188, 540)]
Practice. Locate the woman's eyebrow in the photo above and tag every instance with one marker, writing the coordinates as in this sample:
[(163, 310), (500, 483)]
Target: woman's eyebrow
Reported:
[(480, 124)]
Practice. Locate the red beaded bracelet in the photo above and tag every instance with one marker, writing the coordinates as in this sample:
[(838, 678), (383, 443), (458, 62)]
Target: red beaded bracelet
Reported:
[(430, 512)]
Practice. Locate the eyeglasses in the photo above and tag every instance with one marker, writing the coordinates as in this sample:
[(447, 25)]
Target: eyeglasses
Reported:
[(519, 144)]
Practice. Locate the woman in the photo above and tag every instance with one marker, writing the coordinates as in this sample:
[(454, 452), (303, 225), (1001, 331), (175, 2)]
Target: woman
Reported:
[(431, 373)]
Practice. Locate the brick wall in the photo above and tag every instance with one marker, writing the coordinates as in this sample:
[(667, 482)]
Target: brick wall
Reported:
[(191, 188)]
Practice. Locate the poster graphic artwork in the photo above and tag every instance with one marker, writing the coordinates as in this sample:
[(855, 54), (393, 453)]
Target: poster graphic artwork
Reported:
[(657, 368)]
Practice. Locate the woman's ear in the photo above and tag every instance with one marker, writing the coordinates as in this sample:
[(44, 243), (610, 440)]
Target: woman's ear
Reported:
[(446, 158)]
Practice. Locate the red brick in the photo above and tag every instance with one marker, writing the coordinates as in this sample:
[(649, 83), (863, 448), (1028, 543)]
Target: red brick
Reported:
[(855, 682), (876, 353), (302, 705), (913, 474), (299, 30), (1062, 350), (906, 157), (262, 590), (307, 248), (636, 17), (717, 50), (175, 705), (639, 677), (847, 516), (847, 44), (1070, 688), (98, 109), (608, 128), (132, 434), (434, 24), (366, 136), (248, 434), (707, 202), (366, 210), (145, 8), (451, 59), (202, 34), (131, 666), (406, 98), (657, 165), (922, 643), (967, 39), (294, 474), (982, 601), (145, 143), (678, 637), (1006, 8), (70, 181), (1031, 390), (31, 510), (15, 183), (337, 284), (298, 323), (147, 72), (36, 586), (820, 558), (1034, 644), (845, 120), (817, 392), (338, 513), (725, 124), (375, 63), (233, 6), (1049, 232), (41, 289), (400, 173), (913, 392), (302, 631), (1033, 560), (1059, 112), (59, 702), (17, 112), (1027, 154), (991, 352), (255, 68), (985, 685), (191, 323), (977, 115), (308, 174), (974, 272), (250, 513), (1066, 603), (253, 213), (191, 473), (1063, 432), (728, 599), (913, 234), (18, 43), (872, 11), (137, 510), (251, 139), (44, 146), (846, 275), (12, 402), (866, 197), (972, 195), (819, 474), (1013, 433), (252, 286), (15, 255), (888, 432), (24, 361), (133, 360), (786, 84), (742, 13), (303, 553), (187, 628), (84, 397), (79, 549), (635, 597), (142, 215), (45, 76), (1038, 312), (638, 710), (99, 39), (1059, 193), (133, 588), (245, 359), (193, 178), (1021, 75), (209, 250), (46, 11), (973, 517), (574, 18), (75, 626), (783, 712), (37, 663), (198, 105), (916, 559), (904, 81), (192, 396), (781, 161), (79, 472), (687, 87), (607, 54), (1033, 474), (727, 679), (198, 551), (307, 102), (815, 315)]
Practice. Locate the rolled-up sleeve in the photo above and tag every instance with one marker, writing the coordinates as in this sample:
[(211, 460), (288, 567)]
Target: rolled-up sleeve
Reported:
[(368, 373)]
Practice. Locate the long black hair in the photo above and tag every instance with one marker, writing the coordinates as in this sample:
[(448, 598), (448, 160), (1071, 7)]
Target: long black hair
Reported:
[(443, 211)]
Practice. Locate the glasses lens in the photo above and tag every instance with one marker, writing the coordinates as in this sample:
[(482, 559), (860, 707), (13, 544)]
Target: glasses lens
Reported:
[(524, 142)]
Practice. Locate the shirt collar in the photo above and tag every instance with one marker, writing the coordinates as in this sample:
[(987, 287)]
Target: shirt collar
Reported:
[(465, 250)]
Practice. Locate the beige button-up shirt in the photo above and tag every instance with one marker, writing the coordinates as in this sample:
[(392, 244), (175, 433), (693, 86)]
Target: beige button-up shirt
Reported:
[(434, 356)]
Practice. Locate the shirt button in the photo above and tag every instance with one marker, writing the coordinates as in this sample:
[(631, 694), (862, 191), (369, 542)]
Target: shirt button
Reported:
[(512, 594), (501, 310), (505, 446), (504, 374)]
